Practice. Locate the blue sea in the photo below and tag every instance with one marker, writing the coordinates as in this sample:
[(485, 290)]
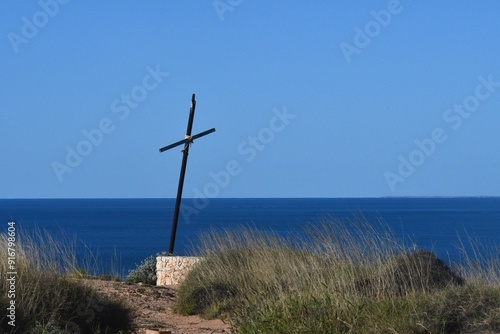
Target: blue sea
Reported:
[(120, 233)]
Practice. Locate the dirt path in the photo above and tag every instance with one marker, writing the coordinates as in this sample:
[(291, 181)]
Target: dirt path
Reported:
[(153, 308)]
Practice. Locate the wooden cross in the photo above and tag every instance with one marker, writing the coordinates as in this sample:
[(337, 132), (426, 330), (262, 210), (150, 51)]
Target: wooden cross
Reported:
[(188, 139)]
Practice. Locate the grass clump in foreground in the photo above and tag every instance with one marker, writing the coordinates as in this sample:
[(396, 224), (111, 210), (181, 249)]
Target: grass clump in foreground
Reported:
[(48, 297), (347, 278)]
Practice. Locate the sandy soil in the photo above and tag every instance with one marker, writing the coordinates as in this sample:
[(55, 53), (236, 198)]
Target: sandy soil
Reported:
[(153, 308)]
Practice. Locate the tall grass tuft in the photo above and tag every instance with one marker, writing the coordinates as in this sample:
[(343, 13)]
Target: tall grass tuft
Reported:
[(349, 276), (47, 297)]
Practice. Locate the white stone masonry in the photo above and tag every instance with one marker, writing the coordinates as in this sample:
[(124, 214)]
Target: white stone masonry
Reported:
[(172, 270)]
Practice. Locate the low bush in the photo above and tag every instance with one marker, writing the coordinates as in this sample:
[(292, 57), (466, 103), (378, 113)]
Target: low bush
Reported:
[(145, 272)]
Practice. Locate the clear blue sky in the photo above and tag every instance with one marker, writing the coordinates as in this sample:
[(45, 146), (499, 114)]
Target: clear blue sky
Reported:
[(323, 99)]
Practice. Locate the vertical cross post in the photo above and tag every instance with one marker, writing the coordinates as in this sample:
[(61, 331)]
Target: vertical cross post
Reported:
[(188, 139), (185, 153)]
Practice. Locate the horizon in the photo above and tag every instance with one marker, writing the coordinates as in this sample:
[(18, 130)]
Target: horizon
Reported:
[(263, 198)]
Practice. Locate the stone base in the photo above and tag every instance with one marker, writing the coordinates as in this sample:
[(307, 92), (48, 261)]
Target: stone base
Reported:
[(171, 270)]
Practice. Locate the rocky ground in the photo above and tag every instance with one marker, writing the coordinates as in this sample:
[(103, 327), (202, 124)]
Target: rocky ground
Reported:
[(153, 308)]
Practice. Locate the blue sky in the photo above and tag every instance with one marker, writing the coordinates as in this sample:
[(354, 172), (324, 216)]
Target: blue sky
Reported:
[(324, 99)]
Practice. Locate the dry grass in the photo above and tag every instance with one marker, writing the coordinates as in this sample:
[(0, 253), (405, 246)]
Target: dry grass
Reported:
[(348, 277), (47, 298)]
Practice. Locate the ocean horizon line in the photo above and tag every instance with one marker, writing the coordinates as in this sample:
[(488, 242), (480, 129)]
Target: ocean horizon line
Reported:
[(215, 198)]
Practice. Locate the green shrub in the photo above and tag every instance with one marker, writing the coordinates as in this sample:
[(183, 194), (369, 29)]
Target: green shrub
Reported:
[(145, 272)]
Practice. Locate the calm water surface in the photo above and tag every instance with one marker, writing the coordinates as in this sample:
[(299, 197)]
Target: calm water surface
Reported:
[(122, 232)]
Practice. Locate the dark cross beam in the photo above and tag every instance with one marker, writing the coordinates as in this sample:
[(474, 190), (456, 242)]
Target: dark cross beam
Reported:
[(188, 139)]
